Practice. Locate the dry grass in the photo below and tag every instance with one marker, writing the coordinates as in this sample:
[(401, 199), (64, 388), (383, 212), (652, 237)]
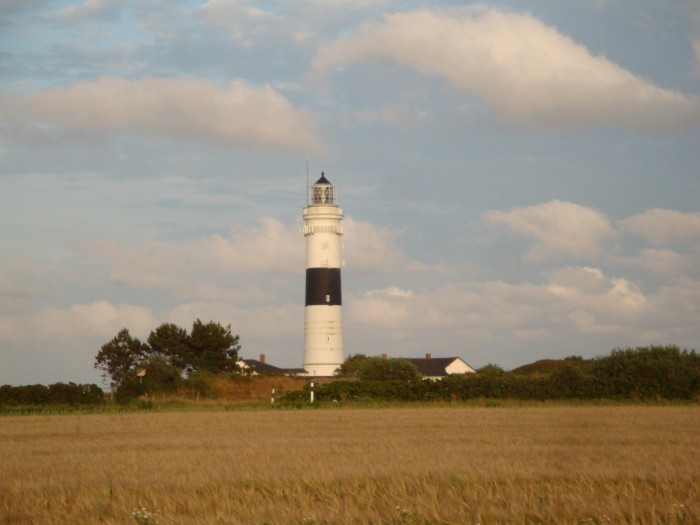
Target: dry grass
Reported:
[(444, 465), (254, 389)]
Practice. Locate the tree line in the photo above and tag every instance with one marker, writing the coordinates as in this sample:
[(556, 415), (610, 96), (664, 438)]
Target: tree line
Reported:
[(643, 373), (56, 394), (167, 357)]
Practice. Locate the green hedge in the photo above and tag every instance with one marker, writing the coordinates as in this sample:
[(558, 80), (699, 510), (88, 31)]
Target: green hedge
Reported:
[(56, 394), (644, 373)]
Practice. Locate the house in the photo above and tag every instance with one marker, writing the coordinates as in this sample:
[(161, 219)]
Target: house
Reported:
[(438, 367), (259, 366)]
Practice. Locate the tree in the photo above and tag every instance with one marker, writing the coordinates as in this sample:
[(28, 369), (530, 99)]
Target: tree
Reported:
[(380, 369), (169, 342), (120, 357), (491, 369), (352, 366), (160, 377), (649, 372), (212, 348)]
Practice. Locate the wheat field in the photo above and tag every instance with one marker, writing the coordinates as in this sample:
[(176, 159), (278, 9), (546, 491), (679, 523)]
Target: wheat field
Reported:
[(466, 465)]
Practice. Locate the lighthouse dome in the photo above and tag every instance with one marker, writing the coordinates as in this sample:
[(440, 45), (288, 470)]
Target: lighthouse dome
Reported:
[(323, 192)]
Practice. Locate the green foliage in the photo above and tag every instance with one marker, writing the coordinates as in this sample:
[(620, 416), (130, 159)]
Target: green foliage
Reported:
[(119, 357), (56, 394), (158, 366), (394, 390), (545, 367), (159, 378), (491, 369), (169, 342), (200, 381), (352, 366), (212, 347), (645, 373), (649, 372), (378, 369)]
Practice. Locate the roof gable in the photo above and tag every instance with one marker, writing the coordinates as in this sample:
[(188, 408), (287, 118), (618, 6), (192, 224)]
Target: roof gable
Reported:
[(437, 366), (262, 368)]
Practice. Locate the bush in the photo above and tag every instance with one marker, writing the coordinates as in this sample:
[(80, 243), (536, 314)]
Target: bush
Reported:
[(648, 372), (56, 394), (656, 372), (159, 378), (378, 368)]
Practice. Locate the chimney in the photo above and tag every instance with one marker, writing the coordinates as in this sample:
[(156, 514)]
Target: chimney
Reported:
[(428, 356), (262, 358), (384, 356)]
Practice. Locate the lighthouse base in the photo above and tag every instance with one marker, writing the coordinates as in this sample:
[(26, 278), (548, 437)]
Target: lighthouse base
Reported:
[(323, 340)]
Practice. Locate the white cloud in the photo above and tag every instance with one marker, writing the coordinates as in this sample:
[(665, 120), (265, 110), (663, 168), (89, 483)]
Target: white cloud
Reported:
[(665, 262), (482, 311), (661, 227), (232, 12), (275, 330), (79, 321), (370, 248), (394, 114), (270, 247), (241, 20), (392, 291), (558, 229), (89, 10), (239, 115), (596, 302), (267, 249), (524, 70), (147, 266), (576, 310), (389, 308)]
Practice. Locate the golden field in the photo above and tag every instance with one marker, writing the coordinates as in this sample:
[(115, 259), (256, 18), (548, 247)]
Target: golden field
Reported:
[(537, 464)]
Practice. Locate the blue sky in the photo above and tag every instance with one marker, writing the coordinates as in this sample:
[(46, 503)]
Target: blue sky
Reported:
[(520, 180)]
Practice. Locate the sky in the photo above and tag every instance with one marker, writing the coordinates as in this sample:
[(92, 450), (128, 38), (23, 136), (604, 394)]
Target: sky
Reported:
[(519, 180)]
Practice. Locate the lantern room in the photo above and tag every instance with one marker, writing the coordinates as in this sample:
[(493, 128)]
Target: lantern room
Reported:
[(322, 193)]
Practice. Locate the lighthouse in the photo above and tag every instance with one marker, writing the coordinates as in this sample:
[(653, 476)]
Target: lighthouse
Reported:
[(323, 323)]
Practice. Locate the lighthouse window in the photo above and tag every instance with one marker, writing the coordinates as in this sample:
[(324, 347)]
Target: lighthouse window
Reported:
[(324, 245), (328, 298)]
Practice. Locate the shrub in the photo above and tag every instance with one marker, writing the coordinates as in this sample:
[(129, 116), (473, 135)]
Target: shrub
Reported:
[(56, 394)]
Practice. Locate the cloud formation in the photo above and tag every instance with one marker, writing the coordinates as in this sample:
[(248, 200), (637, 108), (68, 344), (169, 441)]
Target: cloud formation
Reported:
[(370, 248), (559, 229), (79, 321), (238, 115), (524, 70), (575, 300), (267, 249), (661, 227), (88, 10)]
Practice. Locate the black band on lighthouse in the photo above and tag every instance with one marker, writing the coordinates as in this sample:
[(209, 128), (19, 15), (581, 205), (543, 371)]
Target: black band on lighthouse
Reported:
[(323, 286)]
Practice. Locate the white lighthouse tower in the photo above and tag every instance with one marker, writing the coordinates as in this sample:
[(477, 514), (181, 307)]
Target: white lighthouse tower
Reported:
[(323, 323)]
